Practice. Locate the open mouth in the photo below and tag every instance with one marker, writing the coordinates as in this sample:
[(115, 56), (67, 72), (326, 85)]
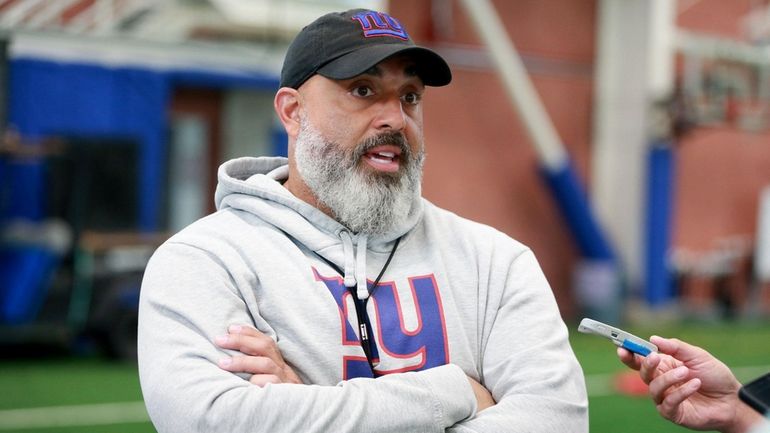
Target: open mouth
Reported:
[(384, 158)]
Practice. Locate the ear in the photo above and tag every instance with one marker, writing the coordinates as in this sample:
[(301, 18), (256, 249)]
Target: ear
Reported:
[(287, 105)]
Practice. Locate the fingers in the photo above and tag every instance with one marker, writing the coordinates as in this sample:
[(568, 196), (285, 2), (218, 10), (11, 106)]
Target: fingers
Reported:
[(629, 359), (263, 369), (669, 407), (250, 364), (649, 366), (263, 379), (258, 366), (249, 341), (259, 356), (661, 387)]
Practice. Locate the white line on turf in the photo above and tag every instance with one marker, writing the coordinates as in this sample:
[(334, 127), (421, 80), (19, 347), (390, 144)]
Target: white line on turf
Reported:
[(75, 415)]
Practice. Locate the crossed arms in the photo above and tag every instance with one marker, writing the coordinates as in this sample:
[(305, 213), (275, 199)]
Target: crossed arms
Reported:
[(189, 298)]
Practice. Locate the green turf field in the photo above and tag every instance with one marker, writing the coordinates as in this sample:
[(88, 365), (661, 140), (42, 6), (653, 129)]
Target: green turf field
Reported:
[(87, 395)]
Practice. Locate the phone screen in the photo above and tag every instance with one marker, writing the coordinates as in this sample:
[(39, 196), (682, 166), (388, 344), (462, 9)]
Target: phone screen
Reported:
[(757, 394)]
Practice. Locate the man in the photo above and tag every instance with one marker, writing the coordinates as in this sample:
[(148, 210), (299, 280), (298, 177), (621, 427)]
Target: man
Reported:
[(325, 295)]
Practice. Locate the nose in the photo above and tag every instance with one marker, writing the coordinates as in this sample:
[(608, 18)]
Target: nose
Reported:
[(391, 115)]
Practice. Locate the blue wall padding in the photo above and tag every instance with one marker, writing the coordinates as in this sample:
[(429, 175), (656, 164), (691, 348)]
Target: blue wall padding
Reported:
[(24, 276), (572, 201), (48, 99), (22, 189), (658, 284), (280, 142)]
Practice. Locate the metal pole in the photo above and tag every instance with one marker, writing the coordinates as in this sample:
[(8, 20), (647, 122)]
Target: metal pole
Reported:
[(517, 84)]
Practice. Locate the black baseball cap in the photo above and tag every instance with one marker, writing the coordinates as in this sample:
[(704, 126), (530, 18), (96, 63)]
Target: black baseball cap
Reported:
[(341, 45)]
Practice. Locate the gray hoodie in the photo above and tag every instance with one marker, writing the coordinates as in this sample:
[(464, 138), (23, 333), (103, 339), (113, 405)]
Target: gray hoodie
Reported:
[(458, 299)]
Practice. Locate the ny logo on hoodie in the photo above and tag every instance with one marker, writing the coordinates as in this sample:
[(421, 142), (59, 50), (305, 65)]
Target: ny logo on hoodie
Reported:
[(409, 327)]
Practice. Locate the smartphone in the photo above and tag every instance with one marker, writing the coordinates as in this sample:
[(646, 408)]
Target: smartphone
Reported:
[(618, 336), (757, 394)]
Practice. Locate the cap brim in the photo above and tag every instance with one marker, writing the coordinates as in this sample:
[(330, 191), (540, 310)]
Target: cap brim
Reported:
[(431, 68)]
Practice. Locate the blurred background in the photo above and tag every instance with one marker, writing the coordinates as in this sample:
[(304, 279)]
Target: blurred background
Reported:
[(626, 141)]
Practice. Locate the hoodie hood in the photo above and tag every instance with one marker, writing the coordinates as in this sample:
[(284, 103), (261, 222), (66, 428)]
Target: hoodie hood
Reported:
[(255, 185)]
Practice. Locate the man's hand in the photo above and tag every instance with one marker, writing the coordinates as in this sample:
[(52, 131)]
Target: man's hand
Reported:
[(692, 388), (261, 356), (483, 396)]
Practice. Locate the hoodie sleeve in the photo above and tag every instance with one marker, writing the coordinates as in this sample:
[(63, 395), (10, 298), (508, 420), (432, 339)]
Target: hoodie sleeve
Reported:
[(526, 361), (188, 298)]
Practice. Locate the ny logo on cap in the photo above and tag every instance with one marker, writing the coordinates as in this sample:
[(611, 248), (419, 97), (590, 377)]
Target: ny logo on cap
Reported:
[(380, 24)]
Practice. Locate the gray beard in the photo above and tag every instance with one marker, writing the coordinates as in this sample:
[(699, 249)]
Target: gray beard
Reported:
[(365, 202)]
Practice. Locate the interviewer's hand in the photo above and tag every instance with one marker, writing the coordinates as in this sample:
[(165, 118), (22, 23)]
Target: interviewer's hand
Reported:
[(483, 396), (261, 356), (691, 387)]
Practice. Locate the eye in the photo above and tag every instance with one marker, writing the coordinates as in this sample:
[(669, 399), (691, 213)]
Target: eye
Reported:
[(362, 91), (412, 98)]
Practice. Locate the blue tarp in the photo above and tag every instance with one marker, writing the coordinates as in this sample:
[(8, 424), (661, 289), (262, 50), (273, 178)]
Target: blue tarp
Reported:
[(49, 98), (25, 273)]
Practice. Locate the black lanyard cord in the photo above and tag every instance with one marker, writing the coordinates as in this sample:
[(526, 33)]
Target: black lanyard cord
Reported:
[(384, 267), (364, 325)]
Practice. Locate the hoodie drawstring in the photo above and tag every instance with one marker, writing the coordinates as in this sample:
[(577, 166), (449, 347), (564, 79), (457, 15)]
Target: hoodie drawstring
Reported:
[(362, 290), (355, 263), (350, 259)]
